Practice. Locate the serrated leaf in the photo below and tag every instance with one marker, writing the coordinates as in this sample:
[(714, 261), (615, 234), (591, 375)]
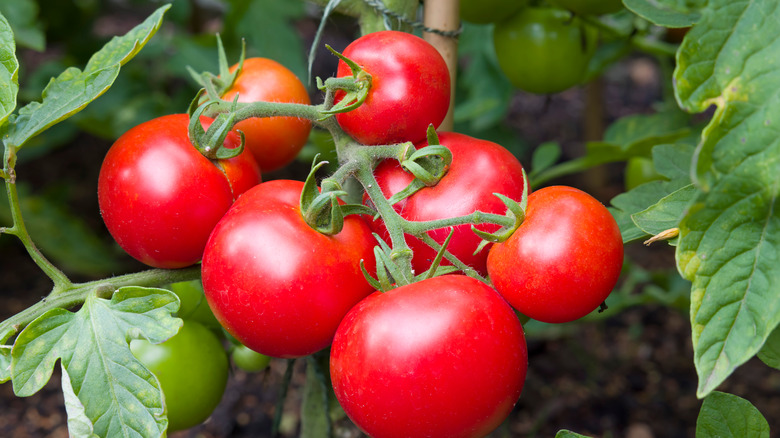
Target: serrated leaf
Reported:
[(725, 415), (9, 71), (770, 352), (667, 212), (667, 13), (79, 425), (640, 198), (729, 242), (119, 395), (73, 89), (673, 161)]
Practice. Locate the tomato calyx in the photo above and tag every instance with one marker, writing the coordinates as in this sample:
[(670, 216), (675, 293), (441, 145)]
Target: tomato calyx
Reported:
[(428, 165), (515, 211), (216, 85), (347, 93), (321, 208)]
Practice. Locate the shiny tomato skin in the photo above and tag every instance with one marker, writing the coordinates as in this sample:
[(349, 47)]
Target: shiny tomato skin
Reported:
[(410, 88), (278, 286), (479, 168), (192, 368), (160, 198), (563, 261), (274, 141), (444, 357)]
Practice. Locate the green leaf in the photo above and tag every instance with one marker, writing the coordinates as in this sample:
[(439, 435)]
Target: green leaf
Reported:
[(120, 397), (5, 356), (725, 415), (673, 161), (667, 212), (73, 89), (79, 425), (730, 239), (544, 156), (667, 13), (640, 132), (637, 200), (23, 17), (770, 352), (569, 434), (9, 71)]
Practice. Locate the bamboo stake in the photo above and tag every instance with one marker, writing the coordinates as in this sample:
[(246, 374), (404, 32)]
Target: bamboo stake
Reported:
[(443, 15)]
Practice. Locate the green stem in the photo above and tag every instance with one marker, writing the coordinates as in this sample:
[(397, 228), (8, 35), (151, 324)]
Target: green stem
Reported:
[(641, 42), (77, 293), (19, 229), (419, 228)]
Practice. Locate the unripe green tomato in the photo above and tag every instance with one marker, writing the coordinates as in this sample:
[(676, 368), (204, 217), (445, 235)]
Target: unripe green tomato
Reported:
[(489, 11), (640, 170), (544, 50), (192, 368), (249, 360), (589, 7), (193, 304)]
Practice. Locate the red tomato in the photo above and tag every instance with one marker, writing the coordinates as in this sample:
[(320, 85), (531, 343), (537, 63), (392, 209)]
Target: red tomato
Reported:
[(479, 168), (274, 141), (160, 198), (410, 88), (276, 284), (444, 357), (563, 261)]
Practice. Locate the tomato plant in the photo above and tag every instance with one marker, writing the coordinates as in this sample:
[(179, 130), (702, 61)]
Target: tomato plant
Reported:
[(276, 284), (274, 141), (589, 7), (563, 261), (544, 50), (160, 198), (410, 88), (192, 368), (479, 168), (443, 357)]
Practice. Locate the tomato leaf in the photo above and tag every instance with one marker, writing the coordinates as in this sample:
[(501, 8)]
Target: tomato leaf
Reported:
[(667, 212), (79, 425), (725, 415), (730, 238), (639, 199), (73, 89), (120, 397), (5, 356), (9, 71), (667, 13)]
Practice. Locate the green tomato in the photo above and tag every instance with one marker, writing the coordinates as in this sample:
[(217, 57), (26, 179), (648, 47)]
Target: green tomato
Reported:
[(544, 50), (489, 11), (192, 368), (249, 360), (193, 304), (589, 7), (640, 170)]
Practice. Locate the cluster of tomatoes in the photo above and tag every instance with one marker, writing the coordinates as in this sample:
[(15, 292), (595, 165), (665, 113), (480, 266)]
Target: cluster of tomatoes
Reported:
[(541, 48), (442, 356)]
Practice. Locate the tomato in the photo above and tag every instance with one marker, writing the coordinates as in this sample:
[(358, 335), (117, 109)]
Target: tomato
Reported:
[(563, 261), (544, 50), (589, 7), (444, 357), (489, 11), (479, 168), (410, 88), (274, 141), (274, 283), (160, 198), (249, 360), (192, 368)]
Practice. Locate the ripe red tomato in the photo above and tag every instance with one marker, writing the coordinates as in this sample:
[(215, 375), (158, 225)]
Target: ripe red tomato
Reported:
[(410, 88), (563, 261), (277, 285), (479, 168), (274, 141), (444, 357), (192, 368), (160, 198)]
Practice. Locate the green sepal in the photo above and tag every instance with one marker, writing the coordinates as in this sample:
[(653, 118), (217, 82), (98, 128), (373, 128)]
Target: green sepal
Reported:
[(211, 142), (356, 87), (216, 86), (429, 164), (435, 268), (321, 209), (369, 278), (515, 211)]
